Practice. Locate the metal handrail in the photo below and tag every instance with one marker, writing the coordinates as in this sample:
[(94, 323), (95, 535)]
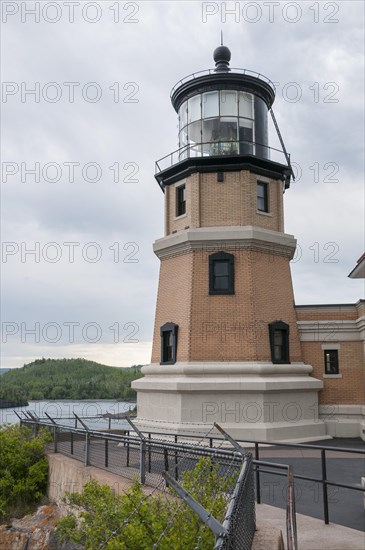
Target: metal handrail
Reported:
[(233, 70), (261, 466), (187, 149), (291, 523), (174, 445), (253, 441), (135, 439)]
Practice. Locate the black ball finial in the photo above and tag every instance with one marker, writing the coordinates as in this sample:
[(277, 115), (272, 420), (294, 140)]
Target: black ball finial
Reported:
[(222, 57)]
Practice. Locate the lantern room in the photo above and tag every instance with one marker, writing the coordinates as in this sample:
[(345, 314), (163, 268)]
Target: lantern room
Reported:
[(222, 113)]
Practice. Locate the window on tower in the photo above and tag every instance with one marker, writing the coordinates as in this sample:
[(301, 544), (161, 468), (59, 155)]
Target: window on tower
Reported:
[(262, 197), (180, 200), (279, 342), (331, 361), (221, 273), (168, 333)]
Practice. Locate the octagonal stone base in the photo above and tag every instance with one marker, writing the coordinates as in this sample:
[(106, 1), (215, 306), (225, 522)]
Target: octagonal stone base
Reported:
[(250, 400)]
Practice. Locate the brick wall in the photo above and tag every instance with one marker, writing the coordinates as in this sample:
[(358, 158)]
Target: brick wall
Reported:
[(174, 303), (348, 390), (225, 327), (232, 202), (343, 313)]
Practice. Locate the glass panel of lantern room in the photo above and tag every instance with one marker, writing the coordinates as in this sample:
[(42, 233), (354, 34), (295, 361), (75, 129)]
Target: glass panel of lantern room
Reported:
[(211, 137), (183, 143), (195, 138), (228, 136), (261, 130), (194, 108), (183, 137), (228, 103), (183, 115), (245, 105), (210, 104), (246, 136)]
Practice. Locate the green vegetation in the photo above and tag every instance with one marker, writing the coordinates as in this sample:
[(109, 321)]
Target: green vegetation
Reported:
[(139, 521), (68, 379), (3, 370), (23, 470)]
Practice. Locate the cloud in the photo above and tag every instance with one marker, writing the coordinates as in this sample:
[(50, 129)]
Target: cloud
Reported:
[(143, 61)]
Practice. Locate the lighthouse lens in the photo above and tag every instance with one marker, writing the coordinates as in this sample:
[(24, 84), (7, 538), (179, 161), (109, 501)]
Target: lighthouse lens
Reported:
[(217, 123)]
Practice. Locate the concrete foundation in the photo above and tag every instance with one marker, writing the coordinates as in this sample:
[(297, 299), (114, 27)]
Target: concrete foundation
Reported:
[(67, 475), (344, 420), (250, 400)]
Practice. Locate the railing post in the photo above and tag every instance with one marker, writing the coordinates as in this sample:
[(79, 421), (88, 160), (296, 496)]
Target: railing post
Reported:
[(87, 449), (257, 474), (87, 439), (143, 461), (55, 439), (110, 423), (291, 520), (106, 462), (142, 451), (176, 462), (324, 486), (166, 459), (149, 453), (72, 442), (127, 463)]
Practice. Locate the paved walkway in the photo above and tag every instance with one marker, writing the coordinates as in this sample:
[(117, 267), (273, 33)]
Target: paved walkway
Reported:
[(313, 534), (346, 507)]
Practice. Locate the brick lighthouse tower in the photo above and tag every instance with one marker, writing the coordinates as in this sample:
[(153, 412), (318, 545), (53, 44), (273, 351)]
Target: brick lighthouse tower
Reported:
[(226, 346)]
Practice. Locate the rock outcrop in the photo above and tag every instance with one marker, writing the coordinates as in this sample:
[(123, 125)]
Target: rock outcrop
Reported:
[(34, 532)]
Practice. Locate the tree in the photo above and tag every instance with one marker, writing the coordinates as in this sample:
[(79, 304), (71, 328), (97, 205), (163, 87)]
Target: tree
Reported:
[(136, 522), (23, 468), (68, 379)]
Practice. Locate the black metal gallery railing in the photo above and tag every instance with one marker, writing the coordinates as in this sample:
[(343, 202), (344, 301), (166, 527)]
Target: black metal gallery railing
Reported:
[(208, 72), (220, 149)]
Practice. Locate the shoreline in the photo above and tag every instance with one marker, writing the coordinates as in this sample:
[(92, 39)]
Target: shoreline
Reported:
[(9, 404)]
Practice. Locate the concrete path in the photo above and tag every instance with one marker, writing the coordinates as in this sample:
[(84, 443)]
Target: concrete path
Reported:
[(313, 534)]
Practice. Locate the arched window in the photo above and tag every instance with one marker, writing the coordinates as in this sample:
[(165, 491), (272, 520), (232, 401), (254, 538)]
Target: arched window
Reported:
[(279, 342), (221, 273), (168, 334)]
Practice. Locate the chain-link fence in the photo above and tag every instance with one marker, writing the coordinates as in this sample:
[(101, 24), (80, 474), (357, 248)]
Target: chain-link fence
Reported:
[(240, 519), (161, 464)]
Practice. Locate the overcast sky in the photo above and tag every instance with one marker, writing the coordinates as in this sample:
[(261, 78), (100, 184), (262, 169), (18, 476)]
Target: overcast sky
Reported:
[(95, 296)]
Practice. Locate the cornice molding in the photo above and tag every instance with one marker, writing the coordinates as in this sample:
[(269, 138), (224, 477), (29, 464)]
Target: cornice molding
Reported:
[(327, 331), (209, 238)]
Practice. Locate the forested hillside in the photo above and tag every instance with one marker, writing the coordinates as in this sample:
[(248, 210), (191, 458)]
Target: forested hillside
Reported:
[(68, 379)]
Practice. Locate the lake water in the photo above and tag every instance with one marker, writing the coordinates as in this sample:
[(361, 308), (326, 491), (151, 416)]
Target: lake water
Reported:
[(62, 412)]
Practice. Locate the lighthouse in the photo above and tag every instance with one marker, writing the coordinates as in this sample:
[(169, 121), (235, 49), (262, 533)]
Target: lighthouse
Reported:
[(226, 345)]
